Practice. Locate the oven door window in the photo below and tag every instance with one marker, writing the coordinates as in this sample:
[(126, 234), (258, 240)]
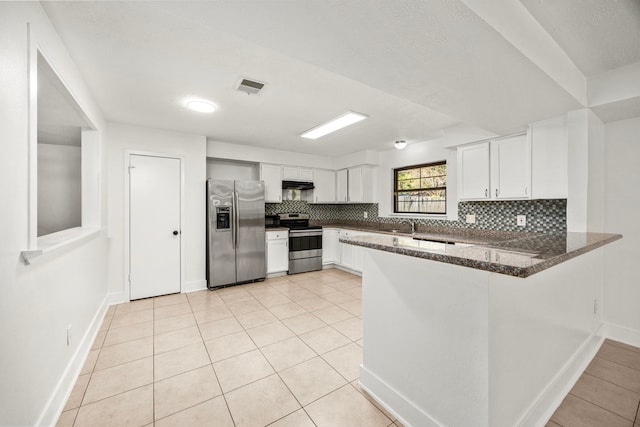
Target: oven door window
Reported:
[(304, 243)]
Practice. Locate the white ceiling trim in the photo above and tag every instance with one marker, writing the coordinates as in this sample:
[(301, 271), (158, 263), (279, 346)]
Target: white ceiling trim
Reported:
[(514, 22)]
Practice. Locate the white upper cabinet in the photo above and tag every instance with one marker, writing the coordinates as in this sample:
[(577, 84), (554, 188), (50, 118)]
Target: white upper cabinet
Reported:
[(355, 185), (473, 170), (495, 170), (341, 186), (293, 173), (272, 177), (325, 186), (549, 159), (511, 167)]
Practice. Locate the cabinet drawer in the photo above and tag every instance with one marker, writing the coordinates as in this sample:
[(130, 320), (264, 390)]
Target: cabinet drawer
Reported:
[(277, 235)]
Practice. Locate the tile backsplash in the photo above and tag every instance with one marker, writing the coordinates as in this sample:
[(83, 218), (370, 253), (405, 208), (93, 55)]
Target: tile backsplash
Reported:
[(543, 216)]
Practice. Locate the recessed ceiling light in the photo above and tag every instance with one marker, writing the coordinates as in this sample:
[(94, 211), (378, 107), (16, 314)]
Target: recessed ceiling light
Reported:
[(201, 105), (400, 144), (343, 120)]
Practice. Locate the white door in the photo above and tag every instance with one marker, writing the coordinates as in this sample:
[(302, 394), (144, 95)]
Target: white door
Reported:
[(154, 226)]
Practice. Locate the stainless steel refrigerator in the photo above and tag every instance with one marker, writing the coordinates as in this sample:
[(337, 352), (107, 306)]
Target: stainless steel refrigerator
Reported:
[(235, 232)]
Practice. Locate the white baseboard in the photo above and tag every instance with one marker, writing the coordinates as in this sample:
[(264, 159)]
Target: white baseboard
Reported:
[(194, 285), (622, 334), (394, 402), (63, 389), (347, 269), (278, 274), (117, 298), (543, 407)]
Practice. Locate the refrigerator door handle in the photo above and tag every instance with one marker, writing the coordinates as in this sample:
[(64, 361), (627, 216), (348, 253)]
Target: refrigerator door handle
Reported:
[(236, 218)]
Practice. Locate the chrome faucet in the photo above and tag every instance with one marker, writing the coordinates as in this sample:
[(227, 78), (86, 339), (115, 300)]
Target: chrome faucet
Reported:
[(412, 224)]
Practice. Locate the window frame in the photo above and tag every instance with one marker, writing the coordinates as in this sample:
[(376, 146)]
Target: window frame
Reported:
[(395, 190)]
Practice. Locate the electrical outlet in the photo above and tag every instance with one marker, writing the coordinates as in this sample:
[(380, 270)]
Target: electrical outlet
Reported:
[(365, 214), (471, 219), (68, 335), (521, 220)]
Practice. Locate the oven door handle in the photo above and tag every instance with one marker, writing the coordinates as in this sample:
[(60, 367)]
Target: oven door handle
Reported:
[(304, 233)]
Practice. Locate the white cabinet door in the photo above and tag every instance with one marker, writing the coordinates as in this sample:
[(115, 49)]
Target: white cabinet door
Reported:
[(325, 186), (473, 175), (297, 174), (277, 251), (511, 167), (355, 183), (289, 172), (305, 174), (330, 246), (341, 185), (272, 177), (349, 252), (549, 159)]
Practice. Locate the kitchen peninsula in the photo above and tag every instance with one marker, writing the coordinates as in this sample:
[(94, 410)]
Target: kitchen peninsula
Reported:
[(481, 333)]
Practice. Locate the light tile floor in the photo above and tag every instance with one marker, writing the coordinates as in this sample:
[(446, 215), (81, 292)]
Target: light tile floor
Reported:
[(283, 352), (608, 392)]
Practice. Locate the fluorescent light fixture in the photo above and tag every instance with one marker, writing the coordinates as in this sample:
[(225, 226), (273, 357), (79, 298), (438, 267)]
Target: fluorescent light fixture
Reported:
[(343, 120), (201, 105), (400, 144)]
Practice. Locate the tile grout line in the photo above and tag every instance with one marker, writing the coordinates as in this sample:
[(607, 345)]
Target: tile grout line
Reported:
[(605, 409), (616, 362), (608, 381)]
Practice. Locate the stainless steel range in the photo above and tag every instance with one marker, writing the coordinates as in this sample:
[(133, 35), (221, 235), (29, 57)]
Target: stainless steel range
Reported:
[(305, 243)]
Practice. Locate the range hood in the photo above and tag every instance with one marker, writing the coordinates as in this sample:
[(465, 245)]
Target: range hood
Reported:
[(297, 185)]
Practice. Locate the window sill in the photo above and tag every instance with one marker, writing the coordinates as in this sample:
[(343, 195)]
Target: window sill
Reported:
[(57, 241)]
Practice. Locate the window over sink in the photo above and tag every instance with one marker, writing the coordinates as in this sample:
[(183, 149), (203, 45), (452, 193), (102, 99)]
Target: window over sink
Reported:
[(420, 189)]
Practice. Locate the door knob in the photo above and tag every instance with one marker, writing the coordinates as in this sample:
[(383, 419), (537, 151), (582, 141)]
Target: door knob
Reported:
[(175, 232)]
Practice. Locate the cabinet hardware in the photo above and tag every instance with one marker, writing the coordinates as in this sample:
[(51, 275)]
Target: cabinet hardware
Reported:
[(525, 191), (486, 192), (496, 192)]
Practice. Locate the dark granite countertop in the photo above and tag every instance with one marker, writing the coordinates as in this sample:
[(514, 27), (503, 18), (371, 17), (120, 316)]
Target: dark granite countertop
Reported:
[(267, 229), (514, 254)]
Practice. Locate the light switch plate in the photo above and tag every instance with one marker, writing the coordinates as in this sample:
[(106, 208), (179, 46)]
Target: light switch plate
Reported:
[(521, 220), (471, 219)]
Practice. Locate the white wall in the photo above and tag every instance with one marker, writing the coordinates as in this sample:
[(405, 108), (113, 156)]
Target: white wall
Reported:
[(59, 188), (622, 213), (39, 301), (414, 154), (193, 148)]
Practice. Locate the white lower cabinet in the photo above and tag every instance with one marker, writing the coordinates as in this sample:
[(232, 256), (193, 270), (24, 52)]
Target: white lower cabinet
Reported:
[(331, 253), (277, 251), (352, 256)]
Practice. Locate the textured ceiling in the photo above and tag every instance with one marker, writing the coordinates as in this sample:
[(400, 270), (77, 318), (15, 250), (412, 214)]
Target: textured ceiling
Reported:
[(415, 67), (598, 35)]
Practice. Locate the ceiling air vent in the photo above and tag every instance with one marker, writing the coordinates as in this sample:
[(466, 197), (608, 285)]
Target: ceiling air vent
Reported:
[(251, 87)]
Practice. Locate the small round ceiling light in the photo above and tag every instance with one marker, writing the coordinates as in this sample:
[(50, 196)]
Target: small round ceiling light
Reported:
[(201, 105), (400, 144)]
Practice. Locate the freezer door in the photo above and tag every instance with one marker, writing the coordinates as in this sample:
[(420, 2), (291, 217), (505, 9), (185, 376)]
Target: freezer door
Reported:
[(220, 238), (250, 246)]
